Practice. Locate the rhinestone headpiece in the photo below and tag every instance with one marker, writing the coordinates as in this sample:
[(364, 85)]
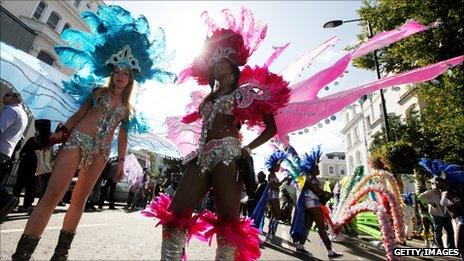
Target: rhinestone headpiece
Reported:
[(221, 53), (124, 57)]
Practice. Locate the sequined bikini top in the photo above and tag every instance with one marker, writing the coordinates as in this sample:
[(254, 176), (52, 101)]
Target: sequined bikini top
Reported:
[(222, 105), (105, 102), (109, 119)]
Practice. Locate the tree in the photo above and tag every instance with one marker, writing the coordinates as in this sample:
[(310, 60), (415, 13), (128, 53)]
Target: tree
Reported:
[(442, 118), (153, 170)]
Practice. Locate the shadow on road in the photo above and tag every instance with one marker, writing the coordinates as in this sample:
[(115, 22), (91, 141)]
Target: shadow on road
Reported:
[(363, 250), (287, 251)]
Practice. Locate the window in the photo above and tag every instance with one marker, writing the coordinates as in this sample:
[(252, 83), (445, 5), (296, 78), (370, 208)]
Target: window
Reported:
[(39, 10), (348, 140), (356, 134), (76, 3), (46, 58), (66, 26), (368, 122), (347, 117), (358, 158), (331, 170), (342, 171), (53, 20), (351, 162), (330, 156), (381, 109)]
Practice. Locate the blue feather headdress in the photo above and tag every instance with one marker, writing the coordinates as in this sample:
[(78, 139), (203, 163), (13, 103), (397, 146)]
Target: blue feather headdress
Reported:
[(451, 173), (407, 199), (115, 38), (275, 158), (310, 160)]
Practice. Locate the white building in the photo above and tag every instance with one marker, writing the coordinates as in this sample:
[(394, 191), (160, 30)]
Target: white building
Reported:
[(363, 120), (332, 166), (48, 19)]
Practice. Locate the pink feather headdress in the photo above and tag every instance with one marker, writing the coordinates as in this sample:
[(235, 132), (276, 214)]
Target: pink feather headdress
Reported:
[(236, 41)]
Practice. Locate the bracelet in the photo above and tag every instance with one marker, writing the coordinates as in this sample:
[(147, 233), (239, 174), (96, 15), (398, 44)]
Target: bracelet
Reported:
[(62, 127), (248, 149)]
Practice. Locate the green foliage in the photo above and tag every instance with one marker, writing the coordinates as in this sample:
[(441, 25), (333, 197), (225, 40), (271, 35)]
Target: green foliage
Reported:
[(399, 157), (443, 117), (154, 173), (375, 159), (438, 133)]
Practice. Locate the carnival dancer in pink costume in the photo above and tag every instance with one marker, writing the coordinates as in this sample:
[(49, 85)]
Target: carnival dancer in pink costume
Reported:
[(235, 99), (264, 94)]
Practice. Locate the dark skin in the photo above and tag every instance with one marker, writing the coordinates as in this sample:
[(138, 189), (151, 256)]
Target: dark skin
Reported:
[(315, 214), (275, 186), (222, 178)]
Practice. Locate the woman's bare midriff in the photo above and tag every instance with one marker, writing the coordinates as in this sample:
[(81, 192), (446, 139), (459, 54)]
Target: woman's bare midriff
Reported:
[(88, 124), (223, 127)]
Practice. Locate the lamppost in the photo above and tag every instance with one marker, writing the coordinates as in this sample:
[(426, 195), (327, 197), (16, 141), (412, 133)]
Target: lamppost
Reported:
[(335, 23)]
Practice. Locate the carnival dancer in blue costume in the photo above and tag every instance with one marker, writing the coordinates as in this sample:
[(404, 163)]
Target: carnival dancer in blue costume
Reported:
[(449, 179), (119, 47), (308, 208), (270, 195)]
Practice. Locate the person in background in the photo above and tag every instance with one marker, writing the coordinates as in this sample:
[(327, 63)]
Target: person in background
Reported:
[(440, 219), (288, 197), (408, 214), (273, 165), (171, 189), (310, 206), (132, 196), (26, 173), (13, 122), (110, 184), (262, 183), (449, 180), (336, 194)]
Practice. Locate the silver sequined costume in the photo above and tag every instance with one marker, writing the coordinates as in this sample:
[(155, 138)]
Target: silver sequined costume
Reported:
[(99, 145), (215, 151)]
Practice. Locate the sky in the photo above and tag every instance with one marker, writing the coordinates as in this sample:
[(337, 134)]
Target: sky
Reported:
[(297, 22)]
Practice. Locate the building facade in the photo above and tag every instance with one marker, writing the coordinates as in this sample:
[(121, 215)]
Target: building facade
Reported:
[(24, 36), (47, 20), (363, 120), (332, 166)]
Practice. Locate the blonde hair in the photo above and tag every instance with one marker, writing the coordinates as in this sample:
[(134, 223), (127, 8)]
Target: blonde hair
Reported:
[(128, 97)]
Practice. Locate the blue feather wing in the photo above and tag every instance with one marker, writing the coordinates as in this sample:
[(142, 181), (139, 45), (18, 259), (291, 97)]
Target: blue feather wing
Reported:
[(74, 58), (258, 212), (92, 20), (79, 40)]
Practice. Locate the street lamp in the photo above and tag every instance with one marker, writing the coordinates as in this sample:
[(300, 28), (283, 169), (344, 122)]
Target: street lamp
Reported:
[(335, 23)]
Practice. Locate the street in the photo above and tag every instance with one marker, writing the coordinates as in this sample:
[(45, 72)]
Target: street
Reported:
[(117, 235)]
